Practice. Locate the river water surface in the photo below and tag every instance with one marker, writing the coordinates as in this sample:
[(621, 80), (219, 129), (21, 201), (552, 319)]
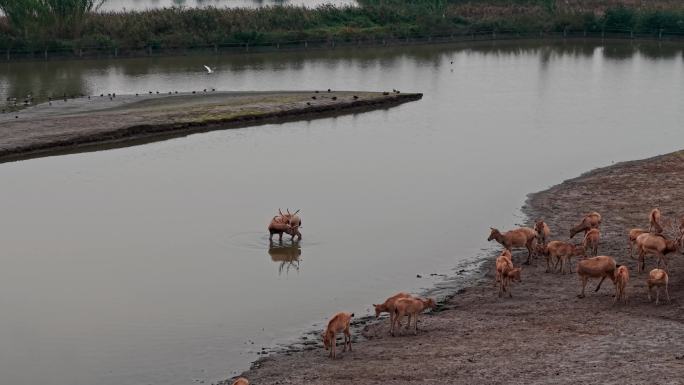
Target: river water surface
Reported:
[(151, 264)]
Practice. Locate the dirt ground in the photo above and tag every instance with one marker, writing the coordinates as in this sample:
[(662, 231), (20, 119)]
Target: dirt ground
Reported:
[(544, 334), (76, 123)]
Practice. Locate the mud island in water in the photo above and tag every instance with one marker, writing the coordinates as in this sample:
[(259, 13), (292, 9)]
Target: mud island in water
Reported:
[(89, 122), (545, 334)]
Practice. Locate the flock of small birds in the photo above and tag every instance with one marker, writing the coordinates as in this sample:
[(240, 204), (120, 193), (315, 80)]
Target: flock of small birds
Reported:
[(28, 100)]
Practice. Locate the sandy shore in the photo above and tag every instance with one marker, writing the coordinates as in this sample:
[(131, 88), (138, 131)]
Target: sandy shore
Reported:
[(84, 122), (544, 334)]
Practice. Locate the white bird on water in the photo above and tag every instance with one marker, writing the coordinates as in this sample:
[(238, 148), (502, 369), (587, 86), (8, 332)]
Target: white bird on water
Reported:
[(209, 70)]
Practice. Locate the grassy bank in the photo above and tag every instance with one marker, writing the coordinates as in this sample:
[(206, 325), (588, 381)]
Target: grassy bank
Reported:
[(372, 19)]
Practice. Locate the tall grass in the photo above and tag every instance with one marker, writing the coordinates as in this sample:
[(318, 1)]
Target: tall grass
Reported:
[(40, 18), (69, 24)]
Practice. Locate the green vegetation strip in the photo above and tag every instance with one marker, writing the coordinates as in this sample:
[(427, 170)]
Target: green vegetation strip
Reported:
[(74, 25)]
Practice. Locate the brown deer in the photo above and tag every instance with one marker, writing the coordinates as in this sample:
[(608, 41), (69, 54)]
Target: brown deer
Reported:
[(339, 323), (590, 221), (241, 381), (291, 218), (503, 265), (633, 234), (591, 241), (621, 280), (388, 306), (504, 254), (658, 278), (277, 226), (654, 221), (411, 307), (601, 266), (520, 237), (512, 275), (657, 245), (506, 273), (562, 253), (542, 230)]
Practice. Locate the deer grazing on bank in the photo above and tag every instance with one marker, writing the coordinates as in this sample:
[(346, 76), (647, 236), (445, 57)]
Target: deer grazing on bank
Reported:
[(504, 254), (411, 307), (654, 221), (633, 234), (656, 245), (388, 306), (506, 273), (590, 221), (621, 280), (591, 241), (658, 278), (339, 323), (519, 238), (601, 266), (241, 381), (543, 231), (561, 253)]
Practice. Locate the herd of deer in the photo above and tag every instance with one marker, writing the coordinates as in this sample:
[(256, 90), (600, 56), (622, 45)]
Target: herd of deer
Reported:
[(651, 242)]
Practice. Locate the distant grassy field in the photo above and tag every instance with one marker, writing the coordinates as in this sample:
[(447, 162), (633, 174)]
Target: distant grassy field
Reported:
[(73, 26)]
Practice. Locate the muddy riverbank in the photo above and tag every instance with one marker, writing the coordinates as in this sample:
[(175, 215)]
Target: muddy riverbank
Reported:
[(117, 120), (544, 334)]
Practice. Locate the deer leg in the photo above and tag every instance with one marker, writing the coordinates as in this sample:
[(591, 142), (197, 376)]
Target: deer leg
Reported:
[(408, 325), (649, 294), (415, 324), (584, 284), (529, 253), (657, 294), (667, 294), (599, 285)]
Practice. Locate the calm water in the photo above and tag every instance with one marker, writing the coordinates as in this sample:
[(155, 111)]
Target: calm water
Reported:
[(139, 5), (151, 265)]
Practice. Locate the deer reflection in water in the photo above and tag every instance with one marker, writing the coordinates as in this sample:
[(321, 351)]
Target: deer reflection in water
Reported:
[(287, 254)]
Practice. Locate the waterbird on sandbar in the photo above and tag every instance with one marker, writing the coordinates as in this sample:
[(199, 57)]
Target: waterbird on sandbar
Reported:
[(209, 70)]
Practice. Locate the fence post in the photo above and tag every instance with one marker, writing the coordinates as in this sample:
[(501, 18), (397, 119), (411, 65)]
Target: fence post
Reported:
[(215, 48), (333, 43), (116, 51), (565, 32), (660, 34), (149, 50), (631, 34), (603, 34), (8, 54), (247, 47), (494, 35), (45, 54), (80, 52)]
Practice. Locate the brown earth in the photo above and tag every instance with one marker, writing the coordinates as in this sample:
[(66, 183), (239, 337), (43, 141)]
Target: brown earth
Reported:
[(544, 334), (76, 124)]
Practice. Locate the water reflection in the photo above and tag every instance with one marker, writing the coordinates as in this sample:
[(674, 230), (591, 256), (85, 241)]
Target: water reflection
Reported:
[(139, 5), (130, 76), (286, 254)]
